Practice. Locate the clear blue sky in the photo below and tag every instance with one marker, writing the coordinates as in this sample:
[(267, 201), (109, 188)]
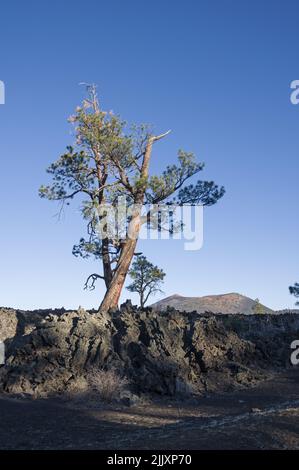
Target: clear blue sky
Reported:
[(217, 73)]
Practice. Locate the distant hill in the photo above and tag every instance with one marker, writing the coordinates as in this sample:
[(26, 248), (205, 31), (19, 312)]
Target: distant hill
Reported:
[(226, 303)]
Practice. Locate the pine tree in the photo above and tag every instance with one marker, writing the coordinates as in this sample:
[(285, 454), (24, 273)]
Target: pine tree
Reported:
[(147, 279), (109, 161), (294, 290)]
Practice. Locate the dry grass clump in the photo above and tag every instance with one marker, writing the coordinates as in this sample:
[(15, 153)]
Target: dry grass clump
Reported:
[(107, 384)]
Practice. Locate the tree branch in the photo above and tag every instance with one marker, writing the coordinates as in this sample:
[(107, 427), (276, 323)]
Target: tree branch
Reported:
[(93, 277)]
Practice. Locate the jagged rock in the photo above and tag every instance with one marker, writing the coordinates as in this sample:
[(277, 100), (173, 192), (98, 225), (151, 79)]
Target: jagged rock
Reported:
[(8, 324), (165, 353)]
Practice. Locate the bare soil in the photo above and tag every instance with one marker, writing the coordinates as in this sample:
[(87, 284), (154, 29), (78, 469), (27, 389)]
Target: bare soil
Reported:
[(263, 417)]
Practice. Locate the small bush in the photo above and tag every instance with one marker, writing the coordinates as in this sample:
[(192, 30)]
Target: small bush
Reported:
[(107, 384)]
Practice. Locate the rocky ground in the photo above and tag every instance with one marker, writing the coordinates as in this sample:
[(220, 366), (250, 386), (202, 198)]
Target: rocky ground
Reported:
[(194, 381)]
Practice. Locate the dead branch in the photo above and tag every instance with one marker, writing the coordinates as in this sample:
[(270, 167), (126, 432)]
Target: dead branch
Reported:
[(93, 278)]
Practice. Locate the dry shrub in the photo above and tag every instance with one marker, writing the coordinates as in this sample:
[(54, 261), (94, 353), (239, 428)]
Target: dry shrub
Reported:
[(77, 386), (107, 384)]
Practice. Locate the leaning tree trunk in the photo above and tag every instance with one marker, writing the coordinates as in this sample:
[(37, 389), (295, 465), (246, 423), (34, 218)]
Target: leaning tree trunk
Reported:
[(111, 298), (110, 301)]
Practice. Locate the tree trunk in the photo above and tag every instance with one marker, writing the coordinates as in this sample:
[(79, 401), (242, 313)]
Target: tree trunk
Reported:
[(141, 300), (106, 263), (112, 295)]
